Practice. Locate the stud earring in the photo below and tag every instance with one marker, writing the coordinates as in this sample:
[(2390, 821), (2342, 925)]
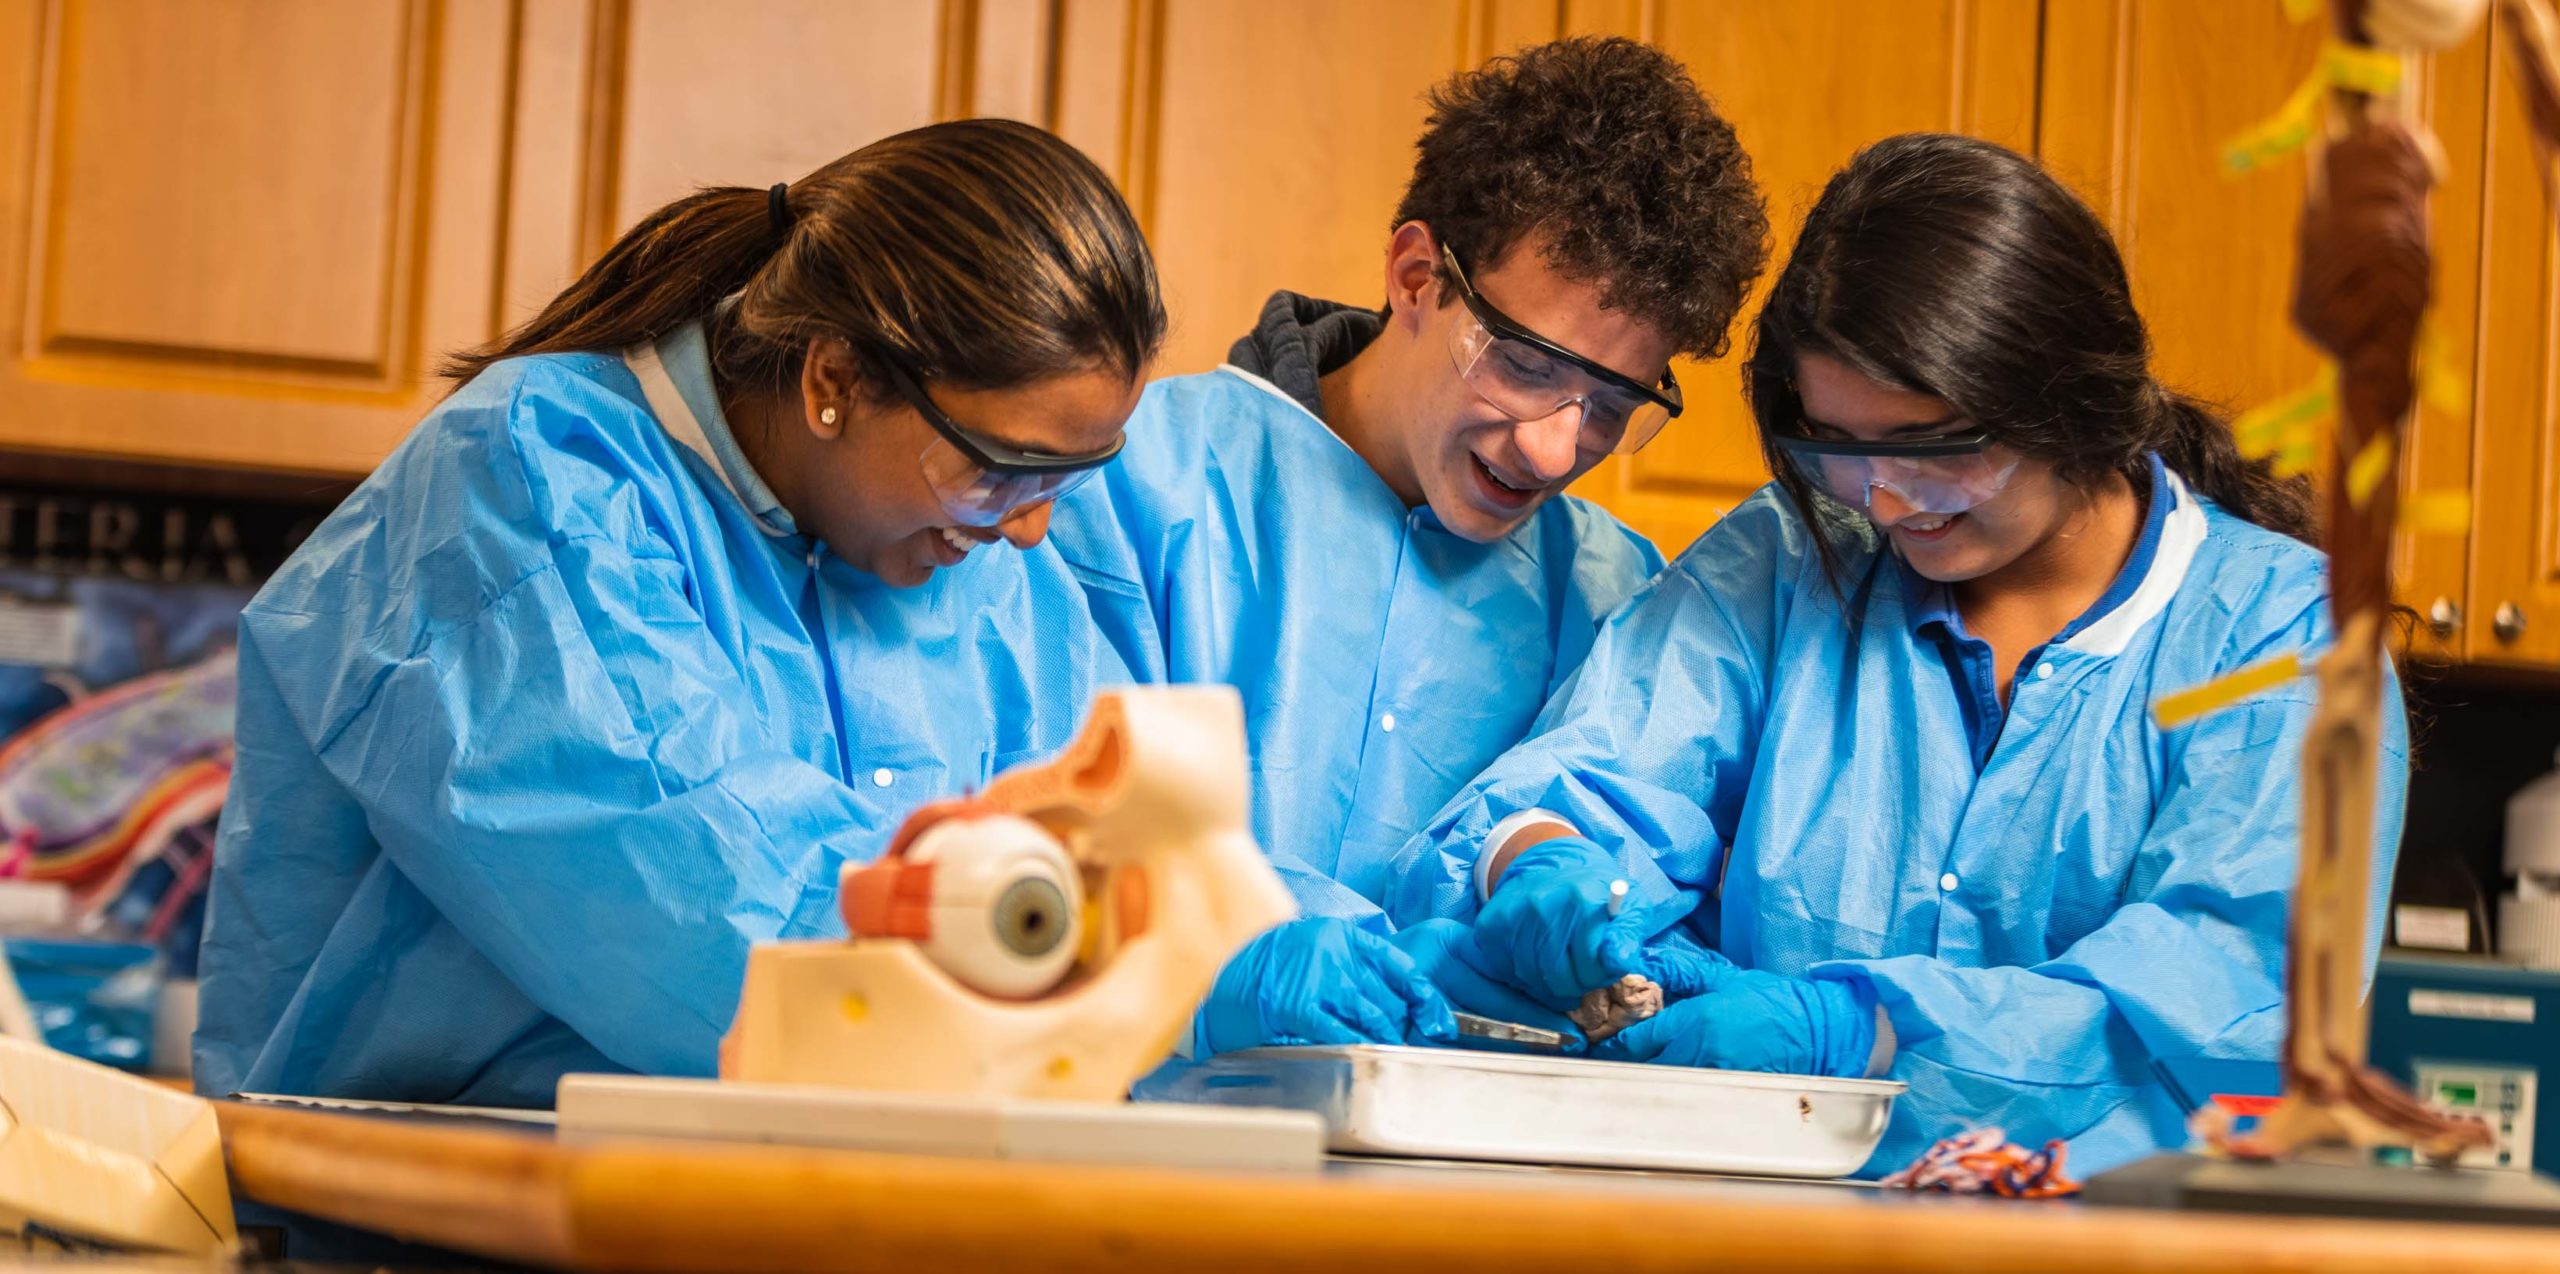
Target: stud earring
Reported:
[(826, 415)]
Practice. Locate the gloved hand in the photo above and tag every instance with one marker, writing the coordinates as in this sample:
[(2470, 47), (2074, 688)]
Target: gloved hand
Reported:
[(1319, 980), (1446, 952), (1547, 928), (1682, 970), (1754, 1021)]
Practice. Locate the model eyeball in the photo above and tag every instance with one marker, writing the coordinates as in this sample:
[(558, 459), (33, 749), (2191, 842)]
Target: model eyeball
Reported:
[(1031, 917), (1007, 904)]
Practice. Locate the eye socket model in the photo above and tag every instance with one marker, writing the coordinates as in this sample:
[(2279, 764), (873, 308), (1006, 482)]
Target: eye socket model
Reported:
[(993, 900)]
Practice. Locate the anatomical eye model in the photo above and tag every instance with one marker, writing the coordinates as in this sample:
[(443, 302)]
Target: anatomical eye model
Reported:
[(992, 898), (1046, 938)]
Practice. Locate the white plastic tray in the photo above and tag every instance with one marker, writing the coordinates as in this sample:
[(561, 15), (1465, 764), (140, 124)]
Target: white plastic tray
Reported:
[(1513, 1108), (598, 1106)]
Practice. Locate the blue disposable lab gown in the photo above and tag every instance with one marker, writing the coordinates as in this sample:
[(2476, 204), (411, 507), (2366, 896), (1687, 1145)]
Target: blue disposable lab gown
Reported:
[(2040, 920), (1383, 661), (555, 717)]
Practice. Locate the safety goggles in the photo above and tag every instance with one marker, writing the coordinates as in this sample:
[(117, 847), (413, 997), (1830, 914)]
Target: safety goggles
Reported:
[(1527, 377), (1944, 476), (981, 481)]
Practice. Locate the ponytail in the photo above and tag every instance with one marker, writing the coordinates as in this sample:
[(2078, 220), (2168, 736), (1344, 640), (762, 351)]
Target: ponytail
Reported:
[(986, 253), (2196, 442), (664, 272)]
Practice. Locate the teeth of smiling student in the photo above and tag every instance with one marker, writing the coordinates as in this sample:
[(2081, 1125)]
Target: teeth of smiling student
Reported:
[(956, 539)]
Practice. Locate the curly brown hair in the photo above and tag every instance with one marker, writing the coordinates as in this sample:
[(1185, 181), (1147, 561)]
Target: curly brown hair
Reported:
[(1607, 146)]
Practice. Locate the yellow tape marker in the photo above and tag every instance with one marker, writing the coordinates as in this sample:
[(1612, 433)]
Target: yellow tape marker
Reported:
[(2270, 427), (2298, 458), (2280, 134), (2440, 381), (2364, 473), (2373, 72), (2265, 441), (2175, 710), (2438, 512)]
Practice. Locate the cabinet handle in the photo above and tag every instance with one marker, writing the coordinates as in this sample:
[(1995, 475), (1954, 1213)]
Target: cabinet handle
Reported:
[(2444, 618), (2509, 622)]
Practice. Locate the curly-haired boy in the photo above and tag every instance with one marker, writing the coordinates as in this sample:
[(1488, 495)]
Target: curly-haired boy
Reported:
[(1354, 522)]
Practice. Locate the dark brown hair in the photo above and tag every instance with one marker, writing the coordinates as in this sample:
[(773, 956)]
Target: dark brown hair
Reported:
[(1607, 147), (982, 252), (1955, 268)]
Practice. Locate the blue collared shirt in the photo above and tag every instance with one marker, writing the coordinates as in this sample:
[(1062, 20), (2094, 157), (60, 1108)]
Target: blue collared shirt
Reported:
[(1931, 606)]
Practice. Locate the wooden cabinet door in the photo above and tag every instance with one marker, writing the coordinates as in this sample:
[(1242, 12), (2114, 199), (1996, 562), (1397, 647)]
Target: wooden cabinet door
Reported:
[(240, 233), (1265, 146), (2431, 568), (1805, 85), (2140, 97), (2513, 615), (623, 105)]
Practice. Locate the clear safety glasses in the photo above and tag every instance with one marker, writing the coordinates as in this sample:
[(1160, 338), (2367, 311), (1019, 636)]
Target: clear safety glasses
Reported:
[(1946, 475), (981, 481), (1527, 377)]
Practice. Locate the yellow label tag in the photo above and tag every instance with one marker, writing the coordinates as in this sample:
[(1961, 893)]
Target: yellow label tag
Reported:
[(2272, 426), (2365, 472), (2299, 457), (2280, 134), (2353, 68), (2357, 69), (2437, 512), (2175, 710), (2441, 384)]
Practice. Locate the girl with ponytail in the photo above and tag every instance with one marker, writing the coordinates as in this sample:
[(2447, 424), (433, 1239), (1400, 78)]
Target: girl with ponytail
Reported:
[(1893, 720), (687, 593)]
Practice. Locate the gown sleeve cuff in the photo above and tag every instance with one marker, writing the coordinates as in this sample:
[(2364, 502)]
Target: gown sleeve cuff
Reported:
[(1490, 849)]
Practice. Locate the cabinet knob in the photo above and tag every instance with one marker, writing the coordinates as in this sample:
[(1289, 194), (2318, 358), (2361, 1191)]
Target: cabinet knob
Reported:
[(2509, 622), (2444, 618)]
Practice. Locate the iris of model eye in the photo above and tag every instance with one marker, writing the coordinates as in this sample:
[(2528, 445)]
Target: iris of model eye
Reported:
[(1030, 917)]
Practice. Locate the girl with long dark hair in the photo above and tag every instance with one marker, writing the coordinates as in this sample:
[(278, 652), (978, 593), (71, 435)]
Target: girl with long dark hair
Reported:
[(1892, 717), (681, 599)]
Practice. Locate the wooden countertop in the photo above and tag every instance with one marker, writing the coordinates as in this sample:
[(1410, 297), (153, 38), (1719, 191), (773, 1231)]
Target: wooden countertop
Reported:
[(643, 1205)]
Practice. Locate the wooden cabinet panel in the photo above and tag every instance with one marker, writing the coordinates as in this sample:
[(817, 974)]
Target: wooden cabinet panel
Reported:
[(1805, 85), (241, 232), (2432, 570), (1265, 146), (2139, 100), (219, 241), (2515, 535), (1254, 189), (181, 180), (716, 93)]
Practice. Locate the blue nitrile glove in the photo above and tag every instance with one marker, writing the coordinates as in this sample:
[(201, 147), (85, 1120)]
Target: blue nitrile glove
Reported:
[(1682, 970), (1319, 980), (1547, 928), (1755, 1021), (1445, 951)]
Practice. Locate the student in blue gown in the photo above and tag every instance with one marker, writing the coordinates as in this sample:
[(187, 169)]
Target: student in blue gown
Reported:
[(1358, 521), (696, 583), (1892, 717)]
